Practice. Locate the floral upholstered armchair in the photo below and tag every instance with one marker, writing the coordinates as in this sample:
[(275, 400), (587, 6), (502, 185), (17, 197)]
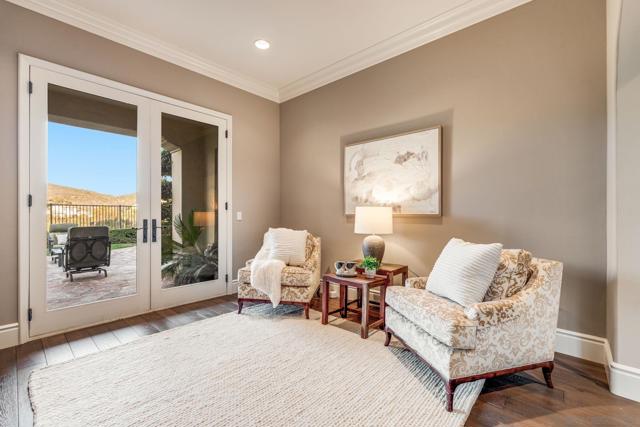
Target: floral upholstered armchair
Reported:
[(512, 330), (299, 284)]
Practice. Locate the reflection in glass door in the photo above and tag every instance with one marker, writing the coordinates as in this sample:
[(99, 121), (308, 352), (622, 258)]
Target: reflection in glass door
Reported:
[(88, 152), (188, 230)]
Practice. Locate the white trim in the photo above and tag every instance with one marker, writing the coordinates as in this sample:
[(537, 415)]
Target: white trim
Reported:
[(9, 335), (23, 193), (231, 288), (26, 61), (460, 17), (583, 346), (449, 22), (613, 14), (623, 380), (86, 20)]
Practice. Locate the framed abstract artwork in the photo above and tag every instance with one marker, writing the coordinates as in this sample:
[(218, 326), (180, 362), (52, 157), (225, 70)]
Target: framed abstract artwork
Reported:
[(402, 171)]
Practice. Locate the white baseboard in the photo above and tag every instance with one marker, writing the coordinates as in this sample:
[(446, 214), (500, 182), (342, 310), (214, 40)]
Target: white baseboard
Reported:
[(583, 346), (9, 335), (232, 287), (623, 380)]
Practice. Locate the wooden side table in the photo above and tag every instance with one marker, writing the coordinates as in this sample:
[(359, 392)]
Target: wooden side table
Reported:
[(363, 285), (389, 270)]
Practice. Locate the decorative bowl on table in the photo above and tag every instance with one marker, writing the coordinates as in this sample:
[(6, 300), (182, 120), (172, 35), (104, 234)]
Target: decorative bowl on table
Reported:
[(346, 268)]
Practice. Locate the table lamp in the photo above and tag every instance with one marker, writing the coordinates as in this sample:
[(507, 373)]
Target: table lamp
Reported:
[(373, 220), (204, 219)]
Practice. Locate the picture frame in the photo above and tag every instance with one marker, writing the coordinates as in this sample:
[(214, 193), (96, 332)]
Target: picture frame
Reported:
[(403, 171)]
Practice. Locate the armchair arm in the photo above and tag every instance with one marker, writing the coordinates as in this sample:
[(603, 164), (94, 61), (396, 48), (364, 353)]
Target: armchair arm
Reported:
[(312, 263), (416, 282), (491, 313), (539, 300)]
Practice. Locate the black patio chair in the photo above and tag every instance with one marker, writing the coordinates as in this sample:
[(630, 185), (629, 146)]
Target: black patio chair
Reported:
[(56, 242), (87, 249)]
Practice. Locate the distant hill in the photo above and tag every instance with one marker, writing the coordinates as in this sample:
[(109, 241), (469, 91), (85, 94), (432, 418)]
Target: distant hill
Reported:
[(59, 194)]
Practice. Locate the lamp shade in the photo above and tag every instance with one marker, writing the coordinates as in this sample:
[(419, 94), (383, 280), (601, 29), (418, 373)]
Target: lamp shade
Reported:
[(373, 220), (204, 219)]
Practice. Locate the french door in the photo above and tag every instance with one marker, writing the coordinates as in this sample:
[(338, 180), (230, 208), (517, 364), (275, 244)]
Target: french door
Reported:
[(124, 194), (188, 186)]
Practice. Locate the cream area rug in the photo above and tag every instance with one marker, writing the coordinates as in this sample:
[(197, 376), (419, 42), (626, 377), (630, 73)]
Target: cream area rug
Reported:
[(264, 367)]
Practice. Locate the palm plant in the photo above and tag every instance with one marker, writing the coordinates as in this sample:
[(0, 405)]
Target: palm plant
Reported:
[(191, 263)]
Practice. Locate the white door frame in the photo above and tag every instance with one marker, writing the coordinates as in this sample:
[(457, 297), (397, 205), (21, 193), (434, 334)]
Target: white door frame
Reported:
[(24, 64)]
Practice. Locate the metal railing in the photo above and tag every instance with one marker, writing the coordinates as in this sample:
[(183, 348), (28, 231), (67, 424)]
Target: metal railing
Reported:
[(114, 216)]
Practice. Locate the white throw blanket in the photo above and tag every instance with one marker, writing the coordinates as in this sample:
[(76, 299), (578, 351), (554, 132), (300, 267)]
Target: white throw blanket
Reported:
[(266, 275), (279, 247)]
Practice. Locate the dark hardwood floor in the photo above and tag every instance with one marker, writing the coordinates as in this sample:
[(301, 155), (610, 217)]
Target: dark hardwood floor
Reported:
[(581, 397)]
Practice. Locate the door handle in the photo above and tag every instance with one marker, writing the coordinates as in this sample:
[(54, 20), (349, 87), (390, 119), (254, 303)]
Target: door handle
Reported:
[(144, 228), (154, 227)]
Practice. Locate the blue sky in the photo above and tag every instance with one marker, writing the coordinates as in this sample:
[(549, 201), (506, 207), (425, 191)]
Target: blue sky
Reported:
[(92, 160)]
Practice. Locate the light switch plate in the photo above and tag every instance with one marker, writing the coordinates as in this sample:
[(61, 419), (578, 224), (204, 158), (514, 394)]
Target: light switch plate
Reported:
[(239, 215)]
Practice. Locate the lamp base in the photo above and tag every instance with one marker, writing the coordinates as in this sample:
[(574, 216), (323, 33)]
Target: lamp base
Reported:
[(373, 245)]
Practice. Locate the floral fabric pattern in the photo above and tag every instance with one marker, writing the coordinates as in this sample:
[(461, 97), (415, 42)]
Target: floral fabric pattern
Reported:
[(492, 313), (516, 331), (441, 318), (291, 276), (511, 276), (299, 284), (289, 293), (312, 250), (416, 282)]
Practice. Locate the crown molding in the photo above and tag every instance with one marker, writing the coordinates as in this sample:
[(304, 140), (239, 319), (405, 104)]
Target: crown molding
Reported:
[(112, 30), (449, 22), (469, 13)]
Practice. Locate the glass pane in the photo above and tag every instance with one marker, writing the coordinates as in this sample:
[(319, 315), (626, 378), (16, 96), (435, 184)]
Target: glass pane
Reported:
[(91, 198), (189, 200)]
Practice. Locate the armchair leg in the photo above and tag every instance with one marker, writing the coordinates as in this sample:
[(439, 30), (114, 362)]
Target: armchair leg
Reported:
[(387, 339), (546, 371), (450, 387), (240, 303), (306, 311)]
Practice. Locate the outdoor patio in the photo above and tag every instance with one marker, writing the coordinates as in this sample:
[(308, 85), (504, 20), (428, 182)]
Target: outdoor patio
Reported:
[(91, 287)]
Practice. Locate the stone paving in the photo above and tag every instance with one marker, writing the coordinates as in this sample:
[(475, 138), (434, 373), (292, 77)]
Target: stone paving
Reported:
[(91, 287)]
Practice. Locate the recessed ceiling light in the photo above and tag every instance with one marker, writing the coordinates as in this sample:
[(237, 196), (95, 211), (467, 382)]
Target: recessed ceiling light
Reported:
[(262, 44)]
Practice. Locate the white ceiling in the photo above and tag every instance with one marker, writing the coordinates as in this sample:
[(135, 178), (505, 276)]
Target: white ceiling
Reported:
[(312, 42)]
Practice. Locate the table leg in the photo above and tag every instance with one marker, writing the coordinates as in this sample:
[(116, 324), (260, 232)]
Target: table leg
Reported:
[(344, 293), (383, 295), (405, 276), (325, 302), (364, 327), (359, 298)]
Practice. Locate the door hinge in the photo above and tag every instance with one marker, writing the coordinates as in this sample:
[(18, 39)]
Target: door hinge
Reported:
[(226, 206), (226, 134), (30, 86), (226, 278), (30, 315), (30, 200)]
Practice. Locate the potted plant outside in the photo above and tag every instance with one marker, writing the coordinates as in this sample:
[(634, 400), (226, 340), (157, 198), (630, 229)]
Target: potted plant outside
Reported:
[(370, 265)]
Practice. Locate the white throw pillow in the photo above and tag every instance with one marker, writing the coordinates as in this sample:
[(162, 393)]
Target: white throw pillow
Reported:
[(287, 245), (464, 271)]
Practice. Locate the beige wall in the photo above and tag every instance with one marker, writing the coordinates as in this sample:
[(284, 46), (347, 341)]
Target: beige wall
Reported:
[(522, 99), (624, 313), (256, 153)]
